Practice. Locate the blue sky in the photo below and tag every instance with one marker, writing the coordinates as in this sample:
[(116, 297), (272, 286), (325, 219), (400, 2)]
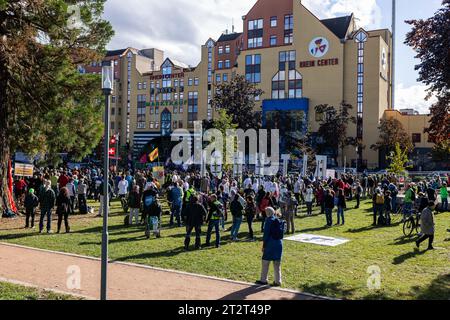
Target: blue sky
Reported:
[(180, 27)]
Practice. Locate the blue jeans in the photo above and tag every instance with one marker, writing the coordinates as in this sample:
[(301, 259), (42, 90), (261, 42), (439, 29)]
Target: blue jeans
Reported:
[(45, 213), (340, 213), (176, 212), (235, 227), (407, 209), (216, 225)]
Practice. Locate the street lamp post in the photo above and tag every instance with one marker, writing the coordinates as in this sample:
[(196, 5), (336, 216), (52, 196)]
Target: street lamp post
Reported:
[(107, 87)]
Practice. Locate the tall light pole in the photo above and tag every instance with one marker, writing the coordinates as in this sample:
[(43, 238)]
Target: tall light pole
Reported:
[(107, 87), (394, 19)]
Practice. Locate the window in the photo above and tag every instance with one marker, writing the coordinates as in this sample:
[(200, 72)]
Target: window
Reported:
[(253, 68), (190, 82), (227, 48), (141, 110), (255, 24), (416, 138), (116, 62), (192, 108), (273, 22), (113, 126), (220, 64), (288, 29), (167, 70), (220, 50), (225, 77), (218, 78), (289, 57), (113, 99), (144, 85), (152, 125), (113, 111), (360, 40), (273, 40), (175, 83), (167, 83), (139, 86), (295, 84), (227, 64), (255, 42), (195, 81), (278, 85)]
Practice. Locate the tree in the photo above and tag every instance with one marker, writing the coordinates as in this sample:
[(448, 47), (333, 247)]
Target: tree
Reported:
[(333, 127), (237, 98), (398, 160), (392, 132), (46, 105), (430, 39)]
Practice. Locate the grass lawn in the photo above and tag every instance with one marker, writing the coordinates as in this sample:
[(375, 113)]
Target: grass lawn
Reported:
[(10, 291), (336, 272)]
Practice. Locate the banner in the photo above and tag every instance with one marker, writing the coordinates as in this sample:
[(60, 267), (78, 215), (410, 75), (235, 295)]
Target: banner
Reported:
[(158, 174), (12, 205), (318, 240), (321, 167), (23, 170)]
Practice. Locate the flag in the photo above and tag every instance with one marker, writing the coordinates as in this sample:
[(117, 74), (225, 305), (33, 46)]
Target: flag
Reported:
[(143, 159), (153, 155)]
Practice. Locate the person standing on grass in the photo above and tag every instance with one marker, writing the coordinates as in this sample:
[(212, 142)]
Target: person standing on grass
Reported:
[(272, 248), (236, 209), (427, 226), (266, 202), (122, 187), (176, 200), (444, 197), (358, 193), (213, 220), (309, 198), (250, 214), (320, 195), (195, 215), (63, 208), (31, 203), (134, 202), (387, 207), (47, 202), (82, 196), (342, 205), (103, 198), (378, 203), (329, 206), (288, 207)]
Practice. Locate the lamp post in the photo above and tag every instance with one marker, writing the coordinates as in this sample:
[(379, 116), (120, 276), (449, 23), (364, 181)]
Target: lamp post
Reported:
[(107, 87)]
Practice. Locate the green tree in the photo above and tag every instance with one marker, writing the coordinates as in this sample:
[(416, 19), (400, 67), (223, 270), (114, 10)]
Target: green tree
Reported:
[(398, 161), (430, 38), (46, 105), (333, 127), (392, 132), (237, 98)]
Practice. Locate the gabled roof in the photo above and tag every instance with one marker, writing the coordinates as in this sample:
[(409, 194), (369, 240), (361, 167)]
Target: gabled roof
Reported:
[(112, 53), (176, 63), (339, 26), (229, 37)]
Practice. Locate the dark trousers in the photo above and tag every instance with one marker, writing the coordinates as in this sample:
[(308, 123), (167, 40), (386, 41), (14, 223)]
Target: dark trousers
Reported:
[(329, 216), (250, 225), (309, 208), (358, 200), (64, 215), (45, 213), (72, 204), (30, 213), (322, 207), (430, 238), (198, 232), (378, 209), (175, 212), (82, 203), (216, 225)]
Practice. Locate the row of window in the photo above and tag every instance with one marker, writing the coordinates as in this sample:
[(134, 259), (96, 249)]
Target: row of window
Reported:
[(227, 49), (221, 78), (253, 68), (220, 64), (255, 31), (99, 63)]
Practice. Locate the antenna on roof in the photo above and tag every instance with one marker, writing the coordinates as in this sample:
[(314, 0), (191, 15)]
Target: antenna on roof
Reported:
[(232, 25)]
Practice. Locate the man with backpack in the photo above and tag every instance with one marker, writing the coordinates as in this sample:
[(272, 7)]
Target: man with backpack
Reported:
[(272, 247), (378, 206)]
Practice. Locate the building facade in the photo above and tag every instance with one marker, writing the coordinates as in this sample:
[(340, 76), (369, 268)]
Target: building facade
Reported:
[(298, 60)]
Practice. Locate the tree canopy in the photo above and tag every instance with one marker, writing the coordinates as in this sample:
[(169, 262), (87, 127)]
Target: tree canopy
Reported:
[(392, 132)]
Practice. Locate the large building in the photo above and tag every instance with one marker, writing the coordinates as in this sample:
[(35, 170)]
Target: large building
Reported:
[(298, 60)]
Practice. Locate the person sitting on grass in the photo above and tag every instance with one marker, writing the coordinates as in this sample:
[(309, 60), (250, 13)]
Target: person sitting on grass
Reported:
[(272, 247), (427, 226)]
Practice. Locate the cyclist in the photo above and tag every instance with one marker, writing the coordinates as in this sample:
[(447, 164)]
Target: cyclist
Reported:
[(410, 197)]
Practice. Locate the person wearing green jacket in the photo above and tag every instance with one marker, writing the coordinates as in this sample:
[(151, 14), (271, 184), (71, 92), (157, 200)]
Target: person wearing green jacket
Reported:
[(408, 202), (444, 197)]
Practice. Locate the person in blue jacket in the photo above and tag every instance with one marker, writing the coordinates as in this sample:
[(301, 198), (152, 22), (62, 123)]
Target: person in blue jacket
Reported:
[(272, 247)]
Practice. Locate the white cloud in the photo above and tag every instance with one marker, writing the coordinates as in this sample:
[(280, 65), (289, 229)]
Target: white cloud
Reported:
[(180, 27), (413, 97)]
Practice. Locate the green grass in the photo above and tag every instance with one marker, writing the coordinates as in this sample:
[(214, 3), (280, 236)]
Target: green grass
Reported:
[(10, 291), (336, 272)]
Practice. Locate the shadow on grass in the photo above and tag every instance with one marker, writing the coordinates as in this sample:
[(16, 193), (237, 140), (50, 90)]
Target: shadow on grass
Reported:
[(333, 289), (406, 256), (363, 229), (403, 240), (314, 229), (439, 289)]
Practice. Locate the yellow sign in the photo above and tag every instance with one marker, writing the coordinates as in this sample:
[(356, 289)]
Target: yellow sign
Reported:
[(23, 170), (158, 174)]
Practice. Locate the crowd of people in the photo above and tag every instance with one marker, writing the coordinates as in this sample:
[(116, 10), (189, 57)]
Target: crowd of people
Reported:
[(195, 200)]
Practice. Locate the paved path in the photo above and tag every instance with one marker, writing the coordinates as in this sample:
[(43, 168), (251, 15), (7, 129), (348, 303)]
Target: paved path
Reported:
[(53, 271)]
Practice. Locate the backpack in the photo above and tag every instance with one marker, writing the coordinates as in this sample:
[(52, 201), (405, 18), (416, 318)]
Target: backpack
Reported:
[(379, 199), (277, 229), (148, 201)]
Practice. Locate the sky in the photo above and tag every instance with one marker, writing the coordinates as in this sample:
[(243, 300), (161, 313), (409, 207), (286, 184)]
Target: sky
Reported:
[(180, 27)]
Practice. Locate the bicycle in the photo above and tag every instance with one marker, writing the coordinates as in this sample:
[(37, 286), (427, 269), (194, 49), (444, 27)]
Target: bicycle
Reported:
[(411, 223)]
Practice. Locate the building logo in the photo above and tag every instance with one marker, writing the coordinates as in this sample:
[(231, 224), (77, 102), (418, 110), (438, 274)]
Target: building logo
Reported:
[(319, 47), (384, 59)]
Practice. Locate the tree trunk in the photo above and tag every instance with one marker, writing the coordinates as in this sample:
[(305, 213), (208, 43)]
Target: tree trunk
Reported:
[(4, 138)]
